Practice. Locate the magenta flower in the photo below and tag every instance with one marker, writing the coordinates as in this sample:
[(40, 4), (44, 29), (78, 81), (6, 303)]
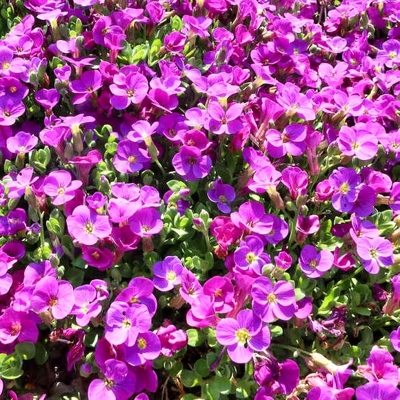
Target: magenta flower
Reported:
[(125, 321), (222, 194), (118, 382), (290, 141), (130, 157), (85, 86), (54, 296), (313, 263), (10, 111), (271, 302), (147, 347), (358, 143), (190, 286), (146, 222), (167, 273), (60, 186), (395, 339), (21, 143), (47, 98), (87, 227), (18, 326), (344, 182), (225, 121), (174, 42), (86, 305), (23, 180), (191, 164), (252, 217), (243, 336), (377, 391), (375, 253), (172, 339), (221, 290), (128, 89), (296, 180)]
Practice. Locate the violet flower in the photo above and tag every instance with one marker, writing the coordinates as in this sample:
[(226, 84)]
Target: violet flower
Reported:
[(243, 336), (313, 263), (86, 305), (87, 227), (378, 391), (395, 339), (146, 222), (167, 273), (60, 186), (375, 253), (147, 347), (222, 194), (130, 157), (21, 143), (290, 141), (18, 326), (191, 164), (118, 382)]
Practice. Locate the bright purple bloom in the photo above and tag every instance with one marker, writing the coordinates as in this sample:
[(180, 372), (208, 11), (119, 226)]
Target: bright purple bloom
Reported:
[(313, 263), (271, 302), (6, 279), (174, 42), (167, 273), (130, 157), (344, 182), (375, 253), (54, 296), (118, 382), (190, 286), (191, 164), (60, 186), (86, 305), (100, 258), (377, 391), (290, 141), (128, 89), (147, 347), (221, 290), (252, 217), (85, 86), (23, 180), (243, 336), (125, 321), (172, 339), (10, 110), (47, 98), (296, 180), (87, 227), (17, 326), (222, 194), (250, 256), (225, 121), (21, 143), (146, 222), (395, 339), (358, 143)]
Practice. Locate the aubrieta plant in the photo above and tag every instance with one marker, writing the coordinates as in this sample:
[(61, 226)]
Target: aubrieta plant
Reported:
[(200, 199)]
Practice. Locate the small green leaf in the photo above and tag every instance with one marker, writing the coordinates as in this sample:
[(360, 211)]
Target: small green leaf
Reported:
[(26, 350), (201, 367), (195, 337)]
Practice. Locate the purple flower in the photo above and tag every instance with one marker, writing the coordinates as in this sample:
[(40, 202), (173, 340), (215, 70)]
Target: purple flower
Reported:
[(172, 339), (313, 263), (167, 273), (21, 143), (358, 143), (225, 121), (344, 182), (290, 141), (60, 186), (10, 110), (125, 321), (377, 391), (174, 42), (250, 255), (222, 194), (47, 98), (128, 89), (87, 227), (23, 180), (86, 305), (375, 253), (85, 86), (252, 217), (395, 339), (271, 302), (147, 347), (146, 222), (190, 286), (191, 164), (17, 326), (54, 296), (221, 290), (118, 382), (296, 180), (243, 336), (130, 157)]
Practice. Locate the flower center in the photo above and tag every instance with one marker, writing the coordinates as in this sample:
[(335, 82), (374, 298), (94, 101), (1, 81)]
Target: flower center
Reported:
[(242, 335), (271, 298), (313, 264), (392, 55), (251, 257), (222, 198), (6, 65), (60, 191), (88, 228), (53, 302), (192, 161), (132, 159), (133, 299), (355, 145), (130, 92), (142, 344), (108, 383), (373, 253), (12, 89), (218, 292), (344, 188), (126, 323), (15, 329), (171, 275)]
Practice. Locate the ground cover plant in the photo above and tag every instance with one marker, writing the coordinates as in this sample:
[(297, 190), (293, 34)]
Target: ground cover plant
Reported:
[(199, 199)]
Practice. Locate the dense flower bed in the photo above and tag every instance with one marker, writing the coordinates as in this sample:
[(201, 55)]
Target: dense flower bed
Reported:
[(200, 199)]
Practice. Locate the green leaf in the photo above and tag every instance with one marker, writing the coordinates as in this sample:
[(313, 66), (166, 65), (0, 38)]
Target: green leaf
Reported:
[(276, 331), (329, 301), (201, 367), (41, 354), (195, 337), (26, 350), (75, 276), (190, 378), (243, 389)]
